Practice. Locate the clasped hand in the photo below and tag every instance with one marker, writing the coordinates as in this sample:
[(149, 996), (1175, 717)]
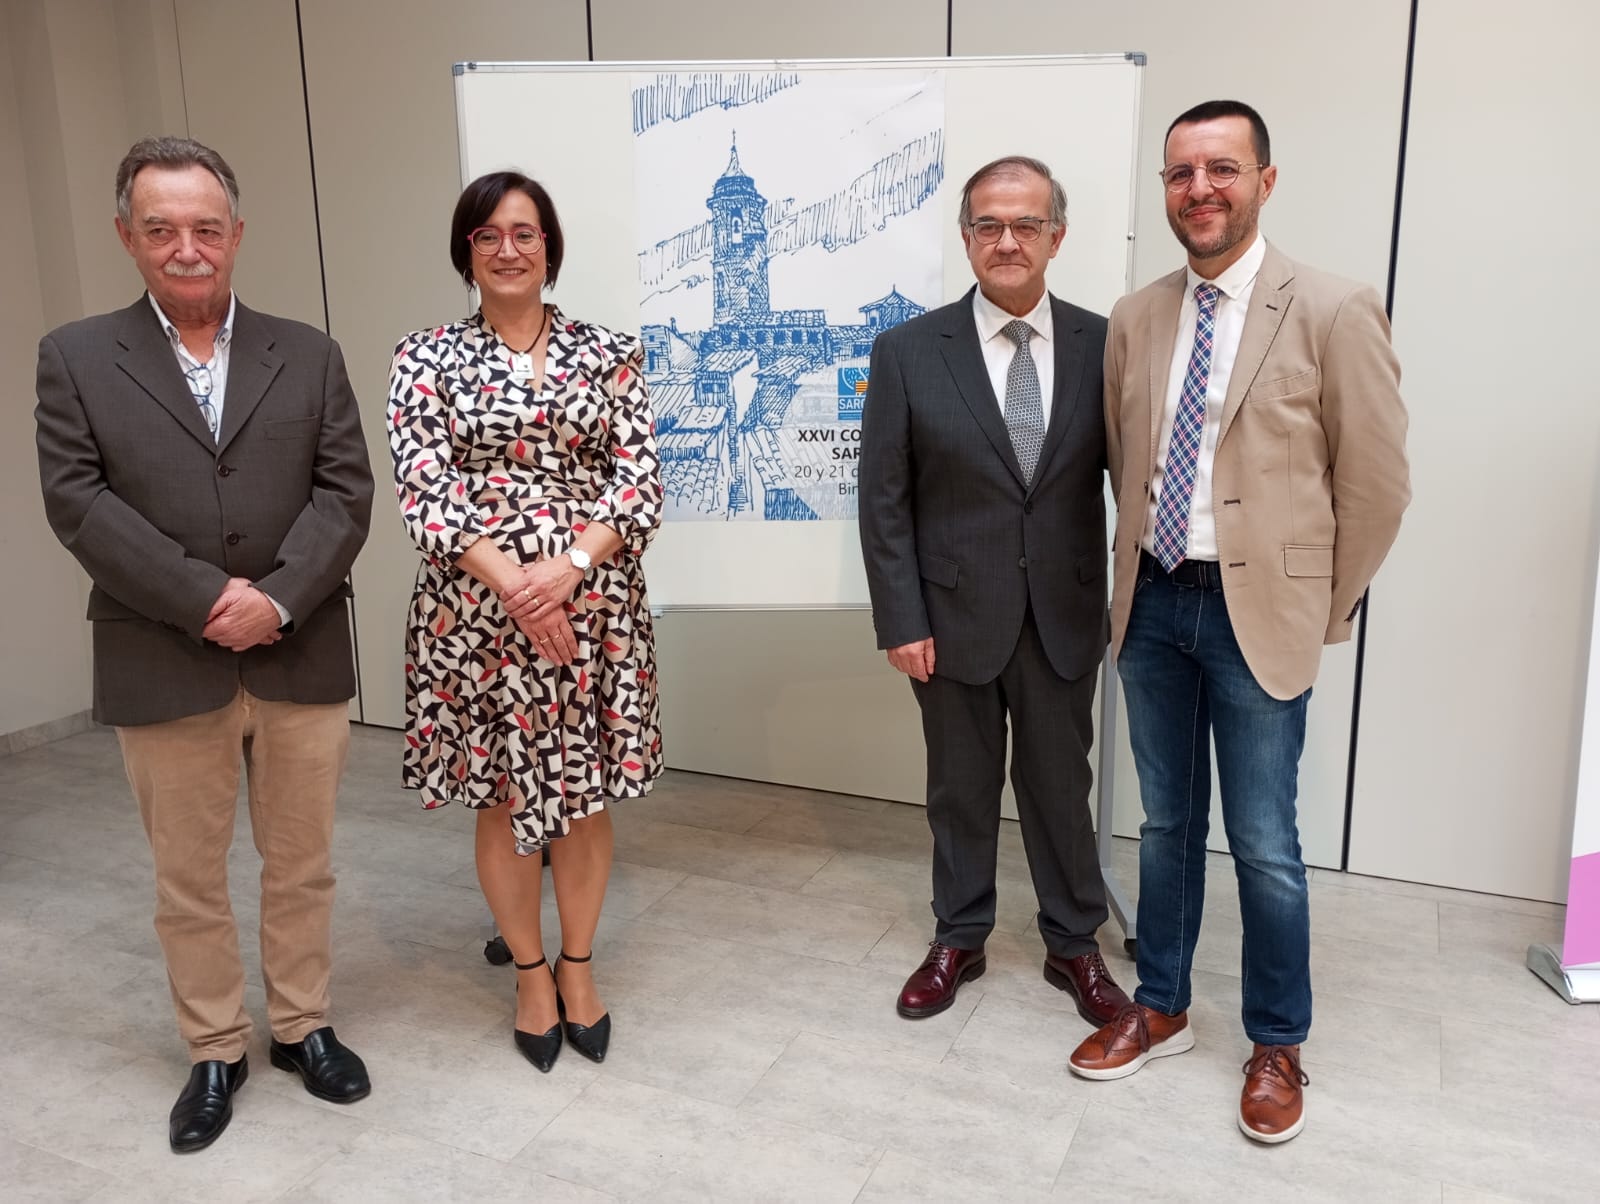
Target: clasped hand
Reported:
[(242, 617), (536, 598)]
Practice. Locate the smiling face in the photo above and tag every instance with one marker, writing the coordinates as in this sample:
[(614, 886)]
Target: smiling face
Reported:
[(183, 239), (1216, 226), (1011, 273), (509, 277)]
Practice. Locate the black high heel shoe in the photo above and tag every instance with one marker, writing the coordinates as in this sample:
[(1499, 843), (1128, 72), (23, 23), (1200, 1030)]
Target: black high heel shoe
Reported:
[(591, 1040), (541, 1050)]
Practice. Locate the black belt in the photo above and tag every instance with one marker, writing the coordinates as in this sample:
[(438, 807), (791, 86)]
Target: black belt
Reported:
[(1196, 574)]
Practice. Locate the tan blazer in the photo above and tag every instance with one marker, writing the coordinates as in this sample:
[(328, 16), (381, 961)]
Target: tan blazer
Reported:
[(1310, 477)]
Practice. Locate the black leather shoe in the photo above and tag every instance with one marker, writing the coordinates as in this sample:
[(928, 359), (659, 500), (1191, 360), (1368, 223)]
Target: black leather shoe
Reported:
[(329, 1070), (591, 1040), (205, 1105), (541, 1049)]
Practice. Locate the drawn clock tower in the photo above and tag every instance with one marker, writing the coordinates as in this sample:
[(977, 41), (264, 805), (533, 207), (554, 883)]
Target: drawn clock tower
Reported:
[(739, 247)]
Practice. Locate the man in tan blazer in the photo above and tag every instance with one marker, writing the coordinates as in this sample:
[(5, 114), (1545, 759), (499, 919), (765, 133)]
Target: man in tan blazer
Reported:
[(204, 463), (1256, 441)]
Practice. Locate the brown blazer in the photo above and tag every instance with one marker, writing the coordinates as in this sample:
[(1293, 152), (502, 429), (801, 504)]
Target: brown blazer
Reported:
[(1310, 477), (161, 516)]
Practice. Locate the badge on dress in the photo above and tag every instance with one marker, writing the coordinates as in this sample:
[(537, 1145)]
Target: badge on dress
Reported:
[(521, 367)]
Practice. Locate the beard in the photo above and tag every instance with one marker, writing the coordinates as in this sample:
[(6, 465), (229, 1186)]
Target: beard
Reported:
[(1239, 223)]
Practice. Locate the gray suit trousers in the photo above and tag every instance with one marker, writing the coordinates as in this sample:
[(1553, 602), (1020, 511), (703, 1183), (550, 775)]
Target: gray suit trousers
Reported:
[(1052, 726)]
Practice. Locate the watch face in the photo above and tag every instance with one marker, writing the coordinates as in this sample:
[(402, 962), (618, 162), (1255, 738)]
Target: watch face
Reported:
[(580, 559)]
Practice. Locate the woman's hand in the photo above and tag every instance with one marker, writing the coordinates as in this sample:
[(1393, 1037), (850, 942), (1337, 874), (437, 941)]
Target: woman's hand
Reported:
[(536, 592), (553, 637)]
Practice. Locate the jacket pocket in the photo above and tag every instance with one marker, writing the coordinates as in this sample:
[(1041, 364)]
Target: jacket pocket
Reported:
[(292, 428), (938, 570), (1283, 386), (1308, 560)]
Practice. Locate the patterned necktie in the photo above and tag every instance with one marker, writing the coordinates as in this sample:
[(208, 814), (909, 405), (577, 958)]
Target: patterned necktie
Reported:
[(1183, 450), (1024, 401)]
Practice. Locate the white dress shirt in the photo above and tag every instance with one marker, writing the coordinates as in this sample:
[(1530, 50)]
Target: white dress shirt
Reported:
[(1235, 285), (217, 365), (998, 349)]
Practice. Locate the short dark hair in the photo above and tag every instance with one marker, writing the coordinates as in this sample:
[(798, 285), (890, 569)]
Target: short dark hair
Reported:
[(173, 154), (1211, 110), (1014, 165), (477, 204)]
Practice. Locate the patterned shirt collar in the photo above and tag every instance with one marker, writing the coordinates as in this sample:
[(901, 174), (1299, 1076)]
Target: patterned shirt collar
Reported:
[(219, 341)]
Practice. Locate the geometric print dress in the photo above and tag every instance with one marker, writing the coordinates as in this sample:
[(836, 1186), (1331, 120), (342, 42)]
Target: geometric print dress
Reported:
[(479, 454)]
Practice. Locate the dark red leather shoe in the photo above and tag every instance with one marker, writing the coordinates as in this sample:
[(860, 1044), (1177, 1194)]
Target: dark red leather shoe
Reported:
[(1090, 984), (932, 986)]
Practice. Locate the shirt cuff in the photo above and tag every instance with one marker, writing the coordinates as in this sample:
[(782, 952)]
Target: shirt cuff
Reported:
[(284, 617)]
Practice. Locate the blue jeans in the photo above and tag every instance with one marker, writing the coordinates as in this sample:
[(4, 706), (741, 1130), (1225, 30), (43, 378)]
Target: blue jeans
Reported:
[(1186, 683)]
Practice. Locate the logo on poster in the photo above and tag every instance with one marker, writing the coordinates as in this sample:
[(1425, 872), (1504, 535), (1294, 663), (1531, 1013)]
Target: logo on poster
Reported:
[(852, 393)]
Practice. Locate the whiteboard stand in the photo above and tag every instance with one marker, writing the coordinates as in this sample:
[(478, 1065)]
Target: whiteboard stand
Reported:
[(1105, 805)]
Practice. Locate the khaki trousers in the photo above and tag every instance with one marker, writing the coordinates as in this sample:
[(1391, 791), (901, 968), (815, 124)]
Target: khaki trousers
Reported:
[(185, 775)]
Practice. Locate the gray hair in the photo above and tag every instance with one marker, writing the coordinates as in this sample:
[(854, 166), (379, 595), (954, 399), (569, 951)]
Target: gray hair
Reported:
[(1013, 165), (172, 154)]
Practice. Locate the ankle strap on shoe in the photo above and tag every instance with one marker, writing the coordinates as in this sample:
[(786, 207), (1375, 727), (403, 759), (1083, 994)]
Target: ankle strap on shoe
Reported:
[(530, 965), (567, 957)]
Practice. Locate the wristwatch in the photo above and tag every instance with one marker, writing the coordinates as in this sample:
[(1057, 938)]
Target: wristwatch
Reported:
[(581, 560)]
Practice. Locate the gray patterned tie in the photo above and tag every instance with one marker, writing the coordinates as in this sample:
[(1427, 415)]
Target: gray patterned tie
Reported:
[(1024, 402)]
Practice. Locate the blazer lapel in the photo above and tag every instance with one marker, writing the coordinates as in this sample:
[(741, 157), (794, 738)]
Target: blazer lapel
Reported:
[(148, 358), (1269, 301), (252, 365), (1166, 304), (1067, 335), (964, 357)]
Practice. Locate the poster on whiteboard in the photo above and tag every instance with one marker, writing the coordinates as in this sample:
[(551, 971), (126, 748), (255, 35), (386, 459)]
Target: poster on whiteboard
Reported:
[(785, 219)]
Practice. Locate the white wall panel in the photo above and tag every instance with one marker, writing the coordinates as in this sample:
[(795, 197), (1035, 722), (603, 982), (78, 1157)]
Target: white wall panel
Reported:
[(1475, 660)]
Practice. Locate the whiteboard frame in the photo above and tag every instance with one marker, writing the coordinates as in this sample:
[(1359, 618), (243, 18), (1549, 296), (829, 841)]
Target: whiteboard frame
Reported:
[(846, 572)]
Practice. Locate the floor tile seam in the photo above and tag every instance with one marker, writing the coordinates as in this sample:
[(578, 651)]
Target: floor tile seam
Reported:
[(545, 1128), (881, 1153), (108, 1176), (739, 1105), (721, 876), (733, 940)]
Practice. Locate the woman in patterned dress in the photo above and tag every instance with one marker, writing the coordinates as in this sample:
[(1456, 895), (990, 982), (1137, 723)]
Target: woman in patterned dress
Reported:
[(526, 470)]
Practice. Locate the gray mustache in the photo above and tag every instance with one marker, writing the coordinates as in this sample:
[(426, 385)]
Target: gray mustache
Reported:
[(190, 269)]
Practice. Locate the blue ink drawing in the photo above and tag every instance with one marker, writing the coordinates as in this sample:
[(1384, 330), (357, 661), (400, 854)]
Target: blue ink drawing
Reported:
[(758, 408)]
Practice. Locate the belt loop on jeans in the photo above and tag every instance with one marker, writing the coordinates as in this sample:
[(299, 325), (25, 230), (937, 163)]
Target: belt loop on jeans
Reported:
[(1193, 574)]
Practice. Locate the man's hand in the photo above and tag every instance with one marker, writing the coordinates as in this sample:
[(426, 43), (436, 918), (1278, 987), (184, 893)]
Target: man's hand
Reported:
[(242, 617), (914, 660)]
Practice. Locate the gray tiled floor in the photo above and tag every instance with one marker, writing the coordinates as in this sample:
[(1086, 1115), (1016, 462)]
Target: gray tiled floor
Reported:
[(753, 942)]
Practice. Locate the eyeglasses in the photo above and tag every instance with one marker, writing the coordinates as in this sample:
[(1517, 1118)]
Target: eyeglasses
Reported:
[(199, 378), (207, 236), (1024, 229), (1221, 172), (487, 240)]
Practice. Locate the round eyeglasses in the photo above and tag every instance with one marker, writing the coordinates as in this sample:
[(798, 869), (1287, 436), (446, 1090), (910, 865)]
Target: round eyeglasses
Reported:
[(1220, 172), (487, 240)]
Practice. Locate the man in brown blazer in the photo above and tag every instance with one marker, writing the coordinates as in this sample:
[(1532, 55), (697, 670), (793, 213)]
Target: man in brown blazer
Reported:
[(1256, 441), (205, 464)]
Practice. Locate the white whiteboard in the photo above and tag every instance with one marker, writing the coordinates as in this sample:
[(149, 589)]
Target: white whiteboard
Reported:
[(570, 126)]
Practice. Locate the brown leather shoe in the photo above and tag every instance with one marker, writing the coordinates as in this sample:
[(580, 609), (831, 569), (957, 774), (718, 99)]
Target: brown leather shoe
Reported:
[(1090, 984), (1273, 1106), (932, 986), (1128, 1042)]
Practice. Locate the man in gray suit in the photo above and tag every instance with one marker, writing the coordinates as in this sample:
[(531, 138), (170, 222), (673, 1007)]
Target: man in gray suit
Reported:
[(983, 527), (205, 464)]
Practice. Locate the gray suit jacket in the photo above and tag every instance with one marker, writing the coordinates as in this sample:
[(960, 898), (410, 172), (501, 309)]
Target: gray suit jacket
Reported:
[(161, 516), (956, 546)]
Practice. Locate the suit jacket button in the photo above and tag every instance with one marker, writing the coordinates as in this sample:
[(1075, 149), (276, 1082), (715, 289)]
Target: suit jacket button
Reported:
[(1027, 507), (233, 537), (223, 470), (1022, 562)]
